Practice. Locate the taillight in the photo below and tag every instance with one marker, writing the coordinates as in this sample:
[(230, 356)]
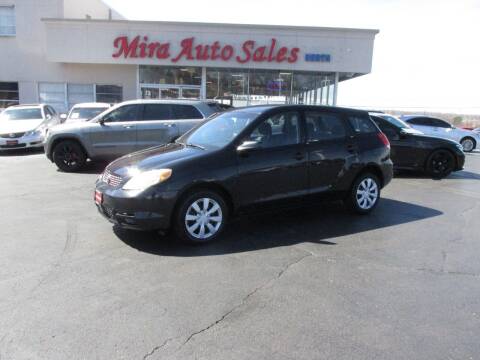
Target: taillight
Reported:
[(383, 138)]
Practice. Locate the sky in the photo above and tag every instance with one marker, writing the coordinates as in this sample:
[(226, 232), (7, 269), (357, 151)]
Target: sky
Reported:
[(426, 56)]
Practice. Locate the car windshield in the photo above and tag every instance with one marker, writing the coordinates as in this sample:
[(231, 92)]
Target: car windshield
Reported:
[(86, 113), (395, 121), (220, 130), (21, 114)]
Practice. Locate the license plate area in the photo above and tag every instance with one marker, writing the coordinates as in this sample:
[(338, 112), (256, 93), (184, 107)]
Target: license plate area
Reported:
[(12, 142)]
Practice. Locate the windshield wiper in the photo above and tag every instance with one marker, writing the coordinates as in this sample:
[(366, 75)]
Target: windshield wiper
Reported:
[(195, 146)]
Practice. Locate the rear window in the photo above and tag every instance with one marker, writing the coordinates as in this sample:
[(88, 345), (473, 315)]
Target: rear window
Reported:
[(186, 112), (362, 125)]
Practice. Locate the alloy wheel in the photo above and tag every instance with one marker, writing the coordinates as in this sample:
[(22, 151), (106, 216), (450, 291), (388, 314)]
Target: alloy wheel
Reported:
[(203, 218), (441, 163), (467, 145), (68, 155), (367, 193)]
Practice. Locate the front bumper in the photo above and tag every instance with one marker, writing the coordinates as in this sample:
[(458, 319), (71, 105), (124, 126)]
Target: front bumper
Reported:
[(23, 142), (460, 161), (149, 210)]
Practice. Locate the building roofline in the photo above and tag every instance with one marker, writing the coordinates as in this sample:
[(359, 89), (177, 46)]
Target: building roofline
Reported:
[(206, 24)]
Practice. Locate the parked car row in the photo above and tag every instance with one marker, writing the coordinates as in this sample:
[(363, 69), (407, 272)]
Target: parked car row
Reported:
[(190, 165)]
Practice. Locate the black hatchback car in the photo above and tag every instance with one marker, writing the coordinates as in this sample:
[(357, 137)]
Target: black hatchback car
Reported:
[(245, 158), (412, 150)]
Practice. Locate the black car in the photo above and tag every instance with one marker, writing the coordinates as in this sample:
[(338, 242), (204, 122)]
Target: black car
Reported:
[(242, 159), (411, 150)]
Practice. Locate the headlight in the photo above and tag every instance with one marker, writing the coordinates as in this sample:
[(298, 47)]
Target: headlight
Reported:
[(147, 179), (40, 130)]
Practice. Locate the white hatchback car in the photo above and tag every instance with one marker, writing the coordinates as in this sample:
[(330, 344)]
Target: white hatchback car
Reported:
[(85, 111), (441, 128), (25, 126)]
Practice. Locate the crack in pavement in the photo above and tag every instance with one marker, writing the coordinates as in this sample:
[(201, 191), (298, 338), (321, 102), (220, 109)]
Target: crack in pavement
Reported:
[(443, 272), (216, 322), (156, 348)]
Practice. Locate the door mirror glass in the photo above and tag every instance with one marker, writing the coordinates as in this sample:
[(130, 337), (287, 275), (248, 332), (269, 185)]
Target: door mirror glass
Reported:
[(248, 145)]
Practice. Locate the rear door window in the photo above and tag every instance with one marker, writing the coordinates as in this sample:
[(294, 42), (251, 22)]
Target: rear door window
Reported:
[(324, 126), (158, 112), (362, 125), (422, 121), (184, 112)]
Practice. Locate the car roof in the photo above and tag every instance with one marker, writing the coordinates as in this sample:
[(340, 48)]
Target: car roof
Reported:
[(26, 106), (262, 108), (167, 101), (91, 104)]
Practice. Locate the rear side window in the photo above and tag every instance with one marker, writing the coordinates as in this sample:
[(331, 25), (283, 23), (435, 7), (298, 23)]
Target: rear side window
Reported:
[(362, 125), (157, 112), (421, 121), (441, 123), (324, 126), (186, 112)]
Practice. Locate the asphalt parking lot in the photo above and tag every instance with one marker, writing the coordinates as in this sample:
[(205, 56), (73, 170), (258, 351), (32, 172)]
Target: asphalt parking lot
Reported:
[(317, 283)]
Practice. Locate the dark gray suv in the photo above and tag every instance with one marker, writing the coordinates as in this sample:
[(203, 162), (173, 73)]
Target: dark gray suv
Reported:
[(124, 128)]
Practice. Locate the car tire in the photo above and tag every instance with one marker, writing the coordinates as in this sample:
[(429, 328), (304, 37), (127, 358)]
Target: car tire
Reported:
[(69, 156), (200, 217), (440, 164), (364, 194), (468, 143)]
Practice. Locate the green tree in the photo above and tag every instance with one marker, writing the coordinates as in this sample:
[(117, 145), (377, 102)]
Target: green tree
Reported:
[(457, 120)]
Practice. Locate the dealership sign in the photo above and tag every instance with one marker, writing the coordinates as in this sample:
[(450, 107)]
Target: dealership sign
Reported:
[(249, 51)]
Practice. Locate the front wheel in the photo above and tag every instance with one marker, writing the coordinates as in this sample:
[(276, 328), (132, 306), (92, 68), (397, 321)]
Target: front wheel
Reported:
[(440, 164), (468, 144), (201, 217), (69, 156), (364, 194)]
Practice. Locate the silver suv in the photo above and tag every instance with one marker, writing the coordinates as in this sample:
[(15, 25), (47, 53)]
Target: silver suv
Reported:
[(127, 127)]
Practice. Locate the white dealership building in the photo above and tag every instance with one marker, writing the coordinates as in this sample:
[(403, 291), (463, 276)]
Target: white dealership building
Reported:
[(62, 52)]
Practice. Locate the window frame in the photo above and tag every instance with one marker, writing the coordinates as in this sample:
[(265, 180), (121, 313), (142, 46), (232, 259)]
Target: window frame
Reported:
[(176, 114), (341, 117), (138, 112), (348, 117), (268, 116), (144, 107), (12, 7)]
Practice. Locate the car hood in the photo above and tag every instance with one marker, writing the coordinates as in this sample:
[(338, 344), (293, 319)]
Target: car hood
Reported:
[(15, 126), (72, 127), (153, 158), (431, 138)]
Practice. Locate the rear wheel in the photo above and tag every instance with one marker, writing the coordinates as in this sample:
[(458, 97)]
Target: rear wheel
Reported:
[(468, 144), (201, 217), (364, 194), (440, 163), (69, 156)]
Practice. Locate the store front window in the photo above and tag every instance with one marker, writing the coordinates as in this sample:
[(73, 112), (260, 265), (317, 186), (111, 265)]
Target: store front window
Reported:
[(161, 82), (238, 87), (255, 87)]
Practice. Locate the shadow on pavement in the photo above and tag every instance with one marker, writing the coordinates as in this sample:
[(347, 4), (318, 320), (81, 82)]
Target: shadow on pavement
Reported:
[(21, 152), (320, 224), (467, 175)]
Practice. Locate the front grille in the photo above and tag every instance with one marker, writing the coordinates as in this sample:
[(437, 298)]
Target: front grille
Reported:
[(12, 135), (111, 179), (15, 146)]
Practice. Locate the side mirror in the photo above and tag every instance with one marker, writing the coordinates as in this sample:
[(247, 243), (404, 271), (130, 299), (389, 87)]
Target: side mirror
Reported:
[(101, 121), (247, 146)]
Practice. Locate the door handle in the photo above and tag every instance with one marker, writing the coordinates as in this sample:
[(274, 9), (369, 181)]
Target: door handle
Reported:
[(299, 156), (127, 126), (170, 125), (351, 148)]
